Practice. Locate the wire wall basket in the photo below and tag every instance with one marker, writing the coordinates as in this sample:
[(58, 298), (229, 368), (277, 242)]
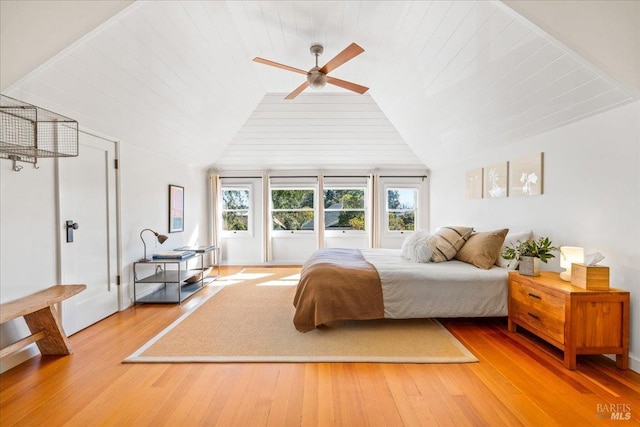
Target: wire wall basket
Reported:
[(28, 133)]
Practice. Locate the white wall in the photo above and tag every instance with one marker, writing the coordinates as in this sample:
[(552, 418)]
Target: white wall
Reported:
[(145, 179), (28, 241), (591, 196)]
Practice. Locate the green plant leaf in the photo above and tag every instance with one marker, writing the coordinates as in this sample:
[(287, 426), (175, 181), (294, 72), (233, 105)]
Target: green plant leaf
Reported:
[(541, 248)]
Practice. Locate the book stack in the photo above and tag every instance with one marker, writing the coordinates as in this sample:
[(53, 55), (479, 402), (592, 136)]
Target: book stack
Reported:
[(174, 255), (197, 249)]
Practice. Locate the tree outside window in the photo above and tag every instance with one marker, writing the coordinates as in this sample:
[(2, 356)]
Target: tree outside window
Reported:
[(344, 209), (235, 209), (401, 209), (292, 209)]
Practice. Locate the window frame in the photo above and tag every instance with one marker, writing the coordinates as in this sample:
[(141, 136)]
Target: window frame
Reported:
[(332, 233), (313, 210), (249, 210), (416, 204)]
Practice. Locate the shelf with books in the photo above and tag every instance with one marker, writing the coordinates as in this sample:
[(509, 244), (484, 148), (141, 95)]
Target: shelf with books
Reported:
[(203, 250), (167, 279), (174, 255)]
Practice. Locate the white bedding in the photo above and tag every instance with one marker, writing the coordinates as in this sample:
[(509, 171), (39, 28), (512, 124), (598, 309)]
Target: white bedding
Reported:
[(445, 289)]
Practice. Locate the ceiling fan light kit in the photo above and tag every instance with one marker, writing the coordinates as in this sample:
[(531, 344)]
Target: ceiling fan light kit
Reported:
[(317, 76), (316, 79)]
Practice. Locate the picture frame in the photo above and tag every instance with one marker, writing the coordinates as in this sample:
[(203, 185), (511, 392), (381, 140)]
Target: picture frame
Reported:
[(495, 180), (176, 208), (526, 176), (473, 180)]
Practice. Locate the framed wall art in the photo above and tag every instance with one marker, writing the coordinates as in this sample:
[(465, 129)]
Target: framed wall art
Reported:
[(495, 181), (176, 208), (526, 175), (473, 180)]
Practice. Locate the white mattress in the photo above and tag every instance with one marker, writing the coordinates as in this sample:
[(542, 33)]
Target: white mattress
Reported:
[(445, 289)]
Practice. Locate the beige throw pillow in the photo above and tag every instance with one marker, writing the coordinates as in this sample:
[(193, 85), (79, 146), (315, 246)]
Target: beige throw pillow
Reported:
[(483, 249), (447, 241)]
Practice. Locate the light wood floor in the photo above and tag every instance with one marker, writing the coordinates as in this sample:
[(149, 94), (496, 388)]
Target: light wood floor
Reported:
[(518, 381)]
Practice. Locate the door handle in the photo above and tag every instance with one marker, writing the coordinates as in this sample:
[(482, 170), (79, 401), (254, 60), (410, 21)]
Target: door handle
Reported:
[(70, 227)]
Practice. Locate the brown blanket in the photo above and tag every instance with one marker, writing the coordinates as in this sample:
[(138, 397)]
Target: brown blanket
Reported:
[(337, 284)]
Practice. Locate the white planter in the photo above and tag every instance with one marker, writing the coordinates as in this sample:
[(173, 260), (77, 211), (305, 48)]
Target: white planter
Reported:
[(529, 266)]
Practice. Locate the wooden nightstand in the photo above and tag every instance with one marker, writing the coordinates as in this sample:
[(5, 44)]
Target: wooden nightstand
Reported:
[(576, 320)]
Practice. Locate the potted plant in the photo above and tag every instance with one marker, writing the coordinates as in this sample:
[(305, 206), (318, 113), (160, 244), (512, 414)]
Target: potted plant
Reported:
[(529, 253)]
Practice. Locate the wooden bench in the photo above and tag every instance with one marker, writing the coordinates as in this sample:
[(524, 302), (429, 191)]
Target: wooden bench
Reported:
[(41, 316)]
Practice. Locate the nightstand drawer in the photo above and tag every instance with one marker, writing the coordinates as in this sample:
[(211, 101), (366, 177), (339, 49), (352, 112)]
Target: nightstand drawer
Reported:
[(539, 301), (536, 320)]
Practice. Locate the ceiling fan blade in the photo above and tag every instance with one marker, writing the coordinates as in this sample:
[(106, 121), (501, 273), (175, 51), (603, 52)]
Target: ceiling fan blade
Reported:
[(298, 90), (277, 65), (349, 53), (347, 85)]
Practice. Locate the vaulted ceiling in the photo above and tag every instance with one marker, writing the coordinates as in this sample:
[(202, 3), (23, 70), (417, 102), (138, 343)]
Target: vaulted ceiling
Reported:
[(446, 79)]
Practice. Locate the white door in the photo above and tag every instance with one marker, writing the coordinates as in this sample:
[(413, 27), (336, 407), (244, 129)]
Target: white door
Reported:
[(87, 192)]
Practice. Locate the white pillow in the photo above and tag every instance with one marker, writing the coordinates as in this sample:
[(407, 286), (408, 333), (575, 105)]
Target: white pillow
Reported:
[(407, 245), (416, 247), (511, 240)]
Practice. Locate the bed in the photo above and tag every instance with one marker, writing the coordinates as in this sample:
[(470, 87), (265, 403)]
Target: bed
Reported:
[(365, 284)]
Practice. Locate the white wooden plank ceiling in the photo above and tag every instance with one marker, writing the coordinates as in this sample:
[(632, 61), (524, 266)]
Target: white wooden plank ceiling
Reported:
[(452, 77), (316, 131)]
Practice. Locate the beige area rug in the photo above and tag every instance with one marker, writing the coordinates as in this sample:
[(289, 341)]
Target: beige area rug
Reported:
[(250, 319)]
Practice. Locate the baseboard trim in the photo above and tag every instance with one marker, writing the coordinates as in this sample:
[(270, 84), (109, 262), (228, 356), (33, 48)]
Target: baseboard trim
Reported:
[(13, 360), (634, 361)]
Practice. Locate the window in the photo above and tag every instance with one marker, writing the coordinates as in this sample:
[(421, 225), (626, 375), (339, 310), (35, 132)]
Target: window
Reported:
[(292, 209), (344, 209), (235, 209), (401, 209)]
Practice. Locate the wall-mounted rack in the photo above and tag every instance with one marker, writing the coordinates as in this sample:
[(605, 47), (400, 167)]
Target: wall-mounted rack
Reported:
[(28, 133)]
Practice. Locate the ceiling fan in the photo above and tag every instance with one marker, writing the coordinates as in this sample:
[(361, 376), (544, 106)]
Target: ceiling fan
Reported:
[(317, 77)]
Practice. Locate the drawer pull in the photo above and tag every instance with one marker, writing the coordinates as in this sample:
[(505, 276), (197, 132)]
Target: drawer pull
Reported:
[(534, 296), (534, 316)]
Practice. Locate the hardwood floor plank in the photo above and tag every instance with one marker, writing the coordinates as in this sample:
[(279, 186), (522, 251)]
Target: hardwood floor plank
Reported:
[(399, 382), (237, 391), (317, 402), (216, 394), (523, 412), (347, 395), (438, 400), (378, 402), (277, 415), (296, 395), (259, 399), (192, 402)]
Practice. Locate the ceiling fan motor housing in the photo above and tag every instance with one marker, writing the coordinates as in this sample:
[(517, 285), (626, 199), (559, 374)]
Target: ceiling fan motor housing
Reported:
[(316, 79)]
